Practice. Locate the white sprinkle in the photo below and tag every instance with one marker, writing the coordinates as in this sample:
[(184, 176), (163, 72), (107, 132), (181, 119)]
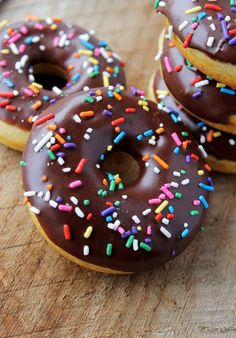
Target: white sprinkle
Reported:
[(232, 142), (29, 193), (165, 232), (203, 151), (152, 142), (60, 160), (66, 170), (165, 221), (147, 164), (183, 25), (176, 173), (47, 196), (43, 141), (86, 250), (74, 200), (14, 49), (86, 137), (36, 39), (156, 170), (35, 210), (174, 184), (76, 118), (136, 219), (79, 212), (135, 244), (56, 90), (210, 41), (186, 225), (40, 194), (114, 226), (53, 204), (124, 197), (213, 27), (146, 212), (185, 182), (201, 83)]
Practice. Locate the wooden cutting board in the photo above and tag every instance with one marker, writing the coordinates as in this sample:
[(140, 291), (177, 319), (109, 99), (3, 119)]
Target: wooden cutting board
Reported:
[(43, 295)]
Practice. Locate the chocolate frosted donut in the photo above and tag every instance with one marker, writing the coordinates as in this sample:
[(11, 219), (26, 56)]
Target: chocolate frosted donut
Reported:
[(42, 61), (220, 146), (205, 32), (201, 96), (113, 183)]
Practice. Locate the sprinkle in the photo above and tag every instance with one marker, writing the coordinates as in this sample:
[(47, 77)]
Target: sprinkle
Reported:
[(203, 201), (176, 139), (161, 207), (35, 210), (161, 162), (109, 249), (75, 184), (119, 137), (145, 247), (165, 232), (43, 141), (185, 233), (67, 233), (88, 232), (80, 166), (79, 212), (206, 187), (129, 242), (86, 250)]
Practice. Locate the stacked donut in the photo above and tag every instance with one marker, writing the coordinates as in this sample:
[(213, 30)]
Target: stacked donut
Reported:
[(197, 79)]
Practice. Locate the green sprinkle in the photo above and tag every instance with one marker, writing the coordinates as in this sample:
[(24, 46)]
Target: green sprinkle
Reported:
[(183, 172), (129, 241), (94, 74), (145, 247), (120, 186), (112, 186), (178, 195), (109, 249), (194, 212), (116, 70), (156, 4), (22, 164), (194, 20), (104, 193), (189, 63), (117, 203), (52, 155), (86, 202), (184, 133), (202, 228), (100, 191), (88, 99)]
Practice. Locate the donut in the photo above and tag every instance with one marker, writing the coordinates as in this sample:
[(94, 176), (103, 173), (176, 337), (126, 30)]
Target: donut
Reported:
[(113, 183), (42, 61), (205, 33), (220, 146), (200, 95)]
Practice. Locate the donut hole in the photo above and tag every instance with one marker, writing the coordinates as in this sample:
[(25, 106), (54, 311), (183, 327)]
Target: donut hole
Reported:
[(124, 164), (49, 75)]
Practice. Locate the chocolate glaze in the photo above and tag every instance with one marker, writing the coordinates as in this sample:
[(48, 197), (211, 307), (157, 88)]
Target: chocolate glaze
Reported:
[(51, 49), (222, 146), (212, 106), (175, 11), (146, 187)]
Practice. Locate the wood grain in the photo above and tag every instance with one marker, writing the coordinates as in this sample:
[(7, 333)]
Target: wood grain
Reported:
[(43, 295)]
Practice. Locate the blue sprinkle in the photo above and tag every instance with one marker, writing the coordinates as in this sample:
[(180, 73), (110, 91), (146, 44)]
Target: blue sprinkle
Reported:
[(176, 150), (227, 91), (148, 133), (9, 83), (107, 113), (102, 157), (108, 219), (174, 118), (69, 138), (110, 94), (134, 230), (171, 209), (185, 233), (205, 187), (69, 145), (29, 40), (87, 44), (76, 77), (203, 201), (46, 98), (119, 137), (140, 137), (126, 234), (103, 43), (110, 176), (202, 15)]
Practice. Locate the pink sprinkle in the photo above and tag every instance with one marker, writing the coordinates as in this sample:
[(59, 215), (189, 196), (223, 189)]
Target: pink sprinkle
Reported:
[(3, 63), (62, 130), (14, 38), (176, 139), (154, 201), (167, 193), (168, 64), (28, 92), (167, 185), (66, 208), (162, 196), (149, 230), (140, 92), (71, 36), (97, 52), (195, 25), (121, 230), (39, 26), (24, 30), (22, 48), (7, 73), (56, 41), (196, 202), (75, 184)]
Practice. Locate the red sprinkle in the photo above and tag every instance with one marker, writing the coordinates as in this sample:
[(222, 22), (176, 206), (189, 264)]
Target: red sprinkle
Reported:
[(44, 119), (67, 233), (196, 80), (188, 40), (178, 68), (90, 216), (130, 110), (213, 7), (4, 103), (194, 157), (7, 95), (158, 217), (80, 166), (118, 121), (55, 147), (11, 108)]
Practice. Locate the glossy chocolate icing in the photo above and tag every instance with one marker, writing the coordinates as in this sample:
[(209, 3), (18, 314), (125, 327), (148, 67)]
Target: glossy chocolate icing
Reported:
[(221, 145), (221, 49), (212, 105), (53, 42), (148, 186)]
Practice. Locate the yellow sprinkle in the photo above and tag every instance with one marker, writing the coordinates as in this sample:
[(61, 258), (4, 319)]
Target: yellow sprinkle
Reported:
[(54, 27), (217, 134), (162, 92), (146, 108), (109, 148), (143, 103), (220, 85), (3, 23), (5, 51), (161, 207), (106, 81), (200, 172), (85, 52), (88, 232), (193, 10), (37, 85), (93, 61), (139, 228)]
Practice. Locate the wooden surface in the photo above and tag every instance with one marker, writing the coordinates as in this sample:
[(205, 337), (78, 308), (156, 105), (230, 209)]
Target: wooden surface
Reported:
[(43, 295)]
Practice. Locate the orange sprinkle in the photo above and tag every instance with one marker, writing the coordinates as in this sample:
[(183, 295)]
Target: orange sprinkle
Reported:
[(44, 178), (208, 167), (37, 105), (60, 139), (56, 19), (118, 121), (76, 55), (185, 144), (104, 182), (210, 136), (30, 119), (160, 131), (146, 157), (117, 96), (34, 89), (109, 69), (25, 200), (171, 44), (117, 129), (88, 113), (117, 180), (52, 127), (50, 187), (32, 18), (70, 67), (99, 92), (161, 162)]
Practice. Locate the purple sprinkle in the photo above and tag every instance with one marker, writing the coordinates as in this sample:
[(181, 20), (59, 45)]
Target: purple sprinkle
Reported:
[(148, 240), (210, 181), (107, 113), (188, 159), (69, 84), (233, 9), (232, 41), (173, 253), (108, 211), (69, 145), (220, 16), (60, 154), (126, 234), (134, 230), (140, 92), (52, 101), (224, 29), (133, 90), (197, 94), (59, 199)]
